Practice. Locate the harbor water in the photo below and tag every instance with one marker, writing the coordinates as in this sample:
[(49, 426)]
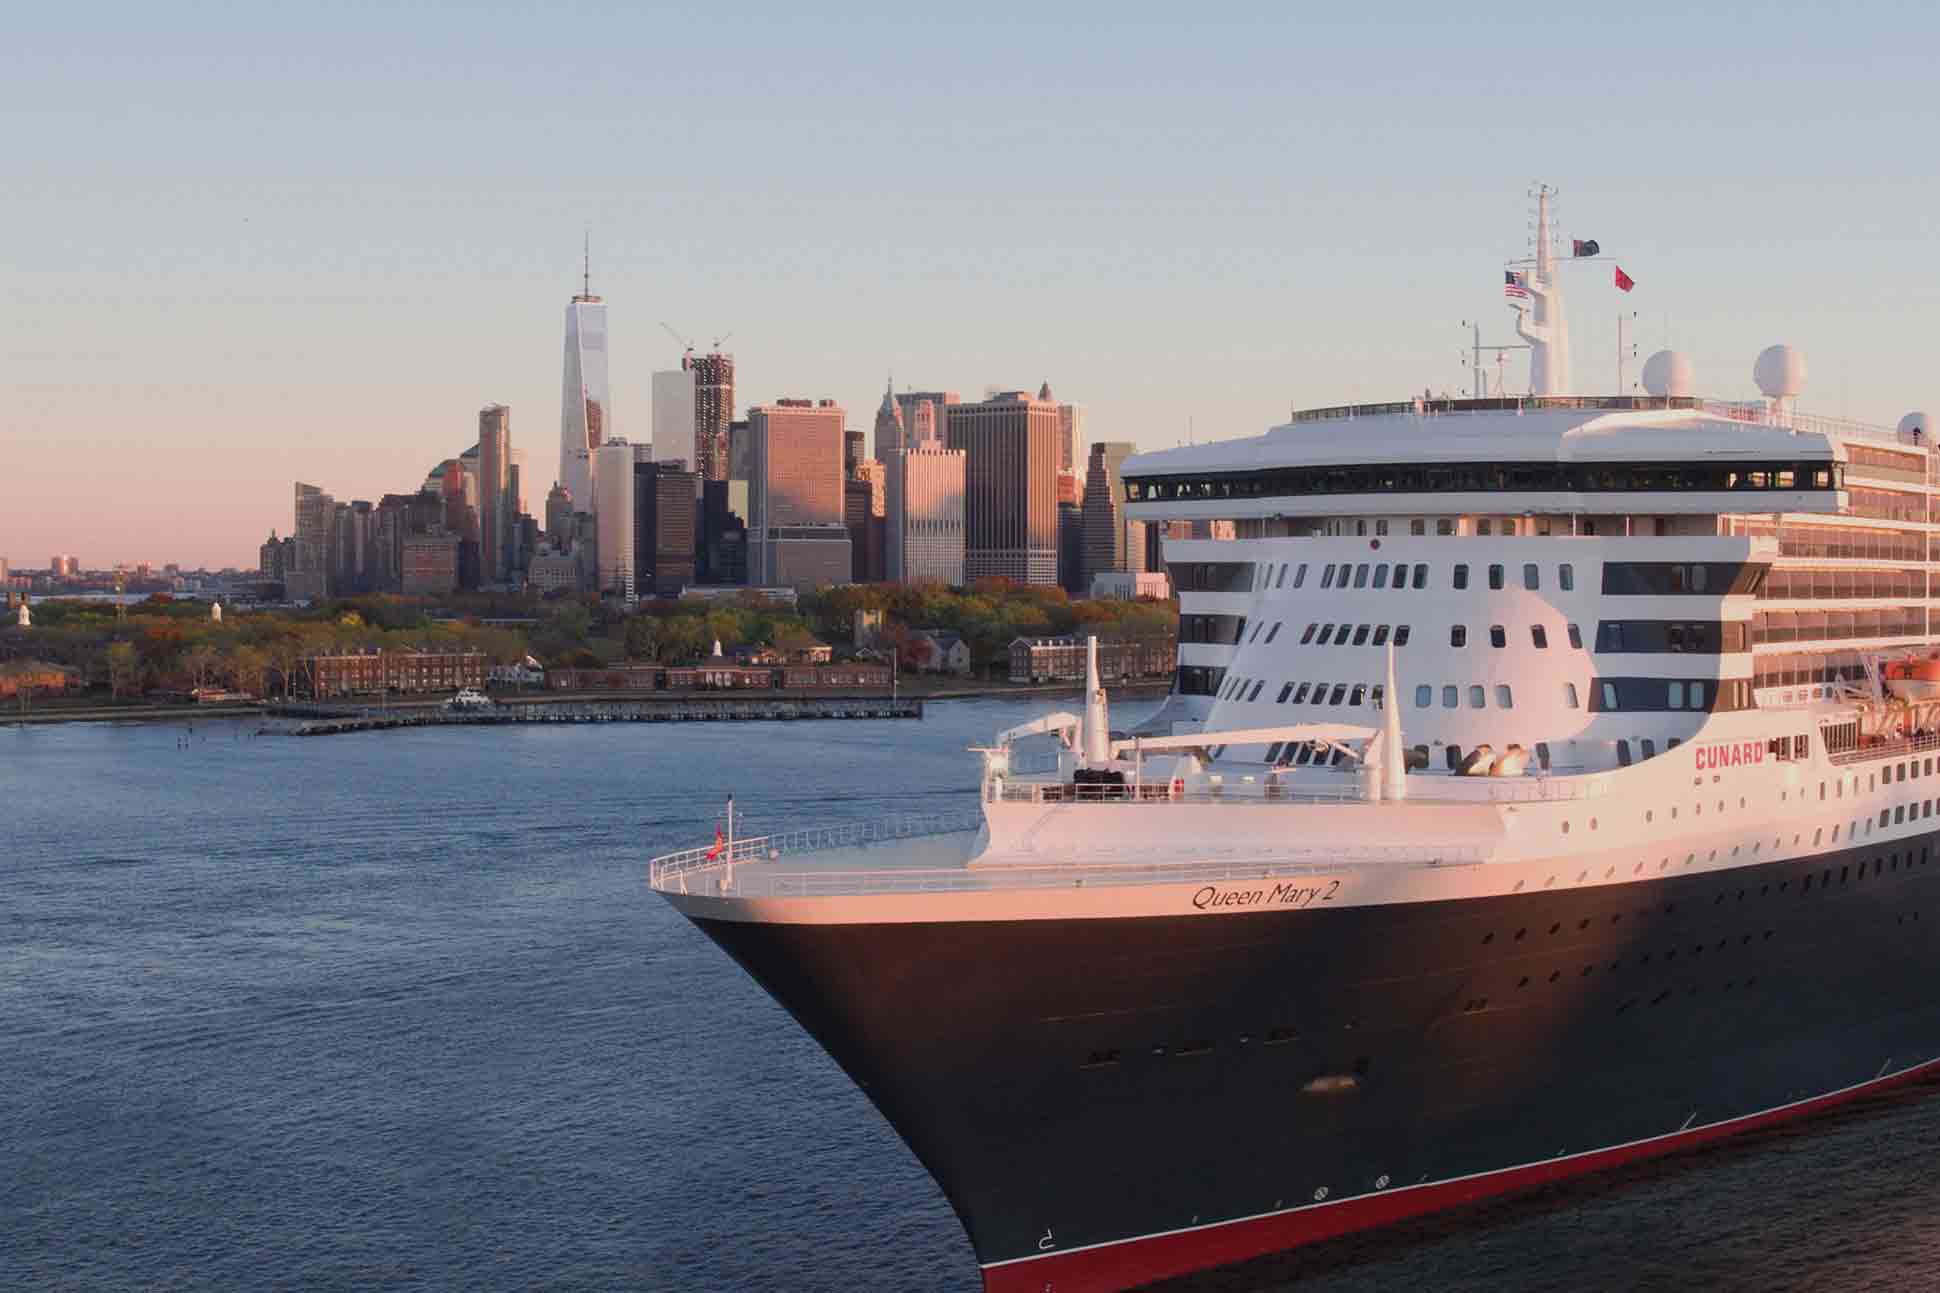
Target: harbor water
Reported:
[(398, 1011)]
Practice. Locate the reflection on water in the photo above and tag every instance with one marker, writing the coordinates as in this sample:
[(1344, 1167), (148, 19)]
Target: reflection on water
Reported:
[(398, 1010)]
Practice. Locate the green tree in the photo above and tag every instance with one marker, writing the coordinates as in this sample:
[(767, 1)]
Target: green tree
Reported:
[(124, 668), (643, 638), (249, 669)]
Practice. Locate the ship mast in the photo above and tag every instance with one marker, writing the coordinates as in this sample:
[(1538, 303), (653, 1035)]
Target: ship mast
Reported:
[(1544, 326)]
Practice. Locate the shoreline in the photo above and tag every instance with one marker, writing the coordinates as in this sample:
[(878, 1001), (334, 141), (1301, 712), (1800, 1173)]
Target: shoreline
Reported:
[(147, 713)]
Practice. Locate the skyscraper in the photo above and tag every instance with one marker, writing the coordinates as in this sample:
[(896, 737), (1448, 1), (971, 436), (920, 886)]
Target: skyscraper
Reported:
[(664, 518), (613, 518), (923, 525), (1106, 546), (494, 493), (586, 414), (713, 410), (795, 494), (1011, 486), (673, 412), (309, 578), (559, 517), (889, 426), (924, 416)]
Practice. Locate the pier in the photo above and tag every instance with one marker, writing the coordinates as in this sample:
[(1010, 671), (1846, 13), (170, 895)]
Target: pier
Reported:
[(328, 721)]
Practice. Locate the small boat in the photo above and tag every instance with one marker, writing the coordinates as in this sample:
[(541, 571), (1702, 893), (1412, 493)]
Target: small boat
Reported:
[(1478, 762), (1512, 763), (1913, 679), (469, 698)]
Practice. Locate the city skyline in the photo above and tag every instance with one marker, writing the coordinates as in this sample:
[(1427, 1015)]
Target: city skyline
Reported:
[(1225, 219)]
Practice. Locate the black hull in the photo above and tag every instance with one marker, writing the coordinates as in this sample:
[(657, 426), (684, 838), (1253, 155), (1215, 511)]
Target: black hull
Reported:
[(1072, 1083)]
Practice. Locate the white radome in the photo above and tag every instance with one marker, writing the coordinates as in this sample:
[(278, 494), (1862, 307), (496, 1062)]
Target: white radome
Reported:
[(1779, 372), (1917, 425), (1669, 373)]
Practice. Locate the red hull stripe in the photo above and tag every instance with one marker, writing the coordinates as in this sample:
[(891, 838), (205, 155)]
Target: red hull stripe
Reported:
[(1128, 1263)]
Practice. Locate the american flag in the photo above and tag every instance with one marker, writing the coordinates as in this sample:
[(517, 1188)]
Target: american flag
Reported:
[(1515, 284)]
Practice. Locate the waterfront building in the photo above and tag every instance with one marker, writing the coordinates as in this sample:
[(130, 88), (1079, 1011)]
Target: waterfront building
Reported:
[(431, 564), (1107, 546), (1062, 659), (673, 411), (1010, 497), (613, 518), (923, 516), (586, 413), (795, 493), (664, 523), (713, 411), (1130, 586), (372, 672), (495, 510)]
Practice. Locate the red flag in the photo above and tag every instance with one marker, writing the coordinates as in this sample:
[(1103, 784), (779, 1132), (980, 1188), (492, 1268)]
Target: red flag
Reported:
[(719, 843), (1624, 281)]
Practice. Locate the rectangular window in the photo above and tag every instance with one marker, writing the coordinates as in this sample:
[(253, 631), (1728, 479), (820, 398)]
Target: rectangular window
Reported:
[(1576, 637), (1461, 576), (1538, 636), (1417, 527), (1610, 695), (1360, 575), (1444, 526), (1424, 695), (1421, 574), (1285, 692), (1650, 748), (1381, 575), (1477, 697), (1380, 635), (1569, 695), (1360, 635), (1326, 635), (1300, 693), (1498, 636), (1504, 698), (1458, 635), (1401, 632), (1565, 577), (1899, 815), (1451, 697), (1327, 575), (1358, 694), (1676, 699), (1530, 578), (1623, 754), (1495, 576), (1340, 693), (1697, 695)]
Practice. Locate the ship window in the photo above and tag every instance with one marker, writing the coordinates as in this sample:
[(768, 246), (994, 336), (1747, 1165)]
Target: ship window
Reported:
[(1340, 634), (1530, 579), (1697, 695), (1461, 576), (1380, 635), (1458, 635), (1421, 574), (1899, 815), (1565, 577), (1300, 575), (1280, 581), (1609, 695), (1360, 575), (1256, 632), (1417, 527), (1358, 694), (1273, 752), (1401, 632), (1649, 748), (1676, 700), (1300, 695), (1285, 692), (1255, 693), (1542, 754), (1327, 575), (1451, 696), (1623, 754), (1308, 636), (1576, 637), (1495, 576), (1444, 526), (1570, 699), (1497, 637), (1424, 695), (1539, 636), (1454, 753), (1503, 697), (1381, 575), (1340, 693), (1477, 697), (1360, 635), (1326, 635), (1485, 527), (1700, 576), (1274, 632)]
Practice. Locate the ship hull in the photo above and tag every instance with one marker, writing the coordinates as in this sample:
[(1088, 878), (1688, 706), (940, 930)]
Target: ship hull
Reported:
[(1110, 1101)]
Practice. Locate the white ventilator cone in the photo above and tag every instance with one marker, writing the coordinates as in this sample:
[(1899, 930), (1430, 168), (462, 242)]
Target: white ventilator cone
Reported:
[(1097, 729), (1393, 760)]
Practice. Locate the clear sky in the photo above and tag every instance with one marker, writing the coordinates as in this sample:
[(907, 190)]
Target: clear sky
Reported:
[(251, 243)]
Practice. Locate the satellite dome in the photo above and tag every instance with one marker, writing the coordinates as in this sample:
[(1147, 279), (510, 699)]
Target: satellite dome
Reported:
[(1917, 428), (1779, 372), (1668, 373)]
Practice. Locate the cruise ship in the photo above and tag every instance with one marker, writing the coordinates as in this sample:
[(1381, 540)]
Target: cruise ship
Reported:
[(1547, 783)]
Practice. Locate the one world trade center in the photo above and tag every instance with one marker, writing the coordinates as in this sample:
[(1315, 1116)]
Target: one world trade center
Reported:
[(585, 415)]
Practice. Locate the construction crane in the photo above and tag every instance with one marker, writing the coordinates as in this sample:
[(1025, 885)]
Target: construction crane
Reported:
[(687, 347)]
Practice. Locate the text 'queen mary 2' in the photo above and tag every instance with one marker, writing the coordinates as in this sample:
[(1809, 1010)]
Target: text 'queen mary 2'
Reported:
[(1547, 783)]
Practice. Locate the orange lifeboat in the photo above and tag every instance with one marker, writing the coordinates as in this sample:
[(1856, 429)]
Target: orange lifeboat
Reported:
[(1913, 679)]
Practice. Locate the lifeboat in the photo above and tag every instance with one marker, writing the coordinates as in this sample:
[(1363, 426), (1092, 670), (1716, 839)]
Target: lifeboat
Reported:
[(1512, 763), (1478, 762), (1913, 679)]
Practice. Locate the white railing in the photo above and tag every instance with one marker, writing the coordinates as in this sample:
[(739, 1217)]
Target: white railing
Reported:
[(1428, 789), (766, 848), (1075, 875)]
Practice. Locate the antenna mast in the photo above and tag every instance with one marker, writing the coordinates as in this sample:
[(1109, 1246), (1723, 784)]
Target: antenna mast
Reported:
[(586, 279)]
